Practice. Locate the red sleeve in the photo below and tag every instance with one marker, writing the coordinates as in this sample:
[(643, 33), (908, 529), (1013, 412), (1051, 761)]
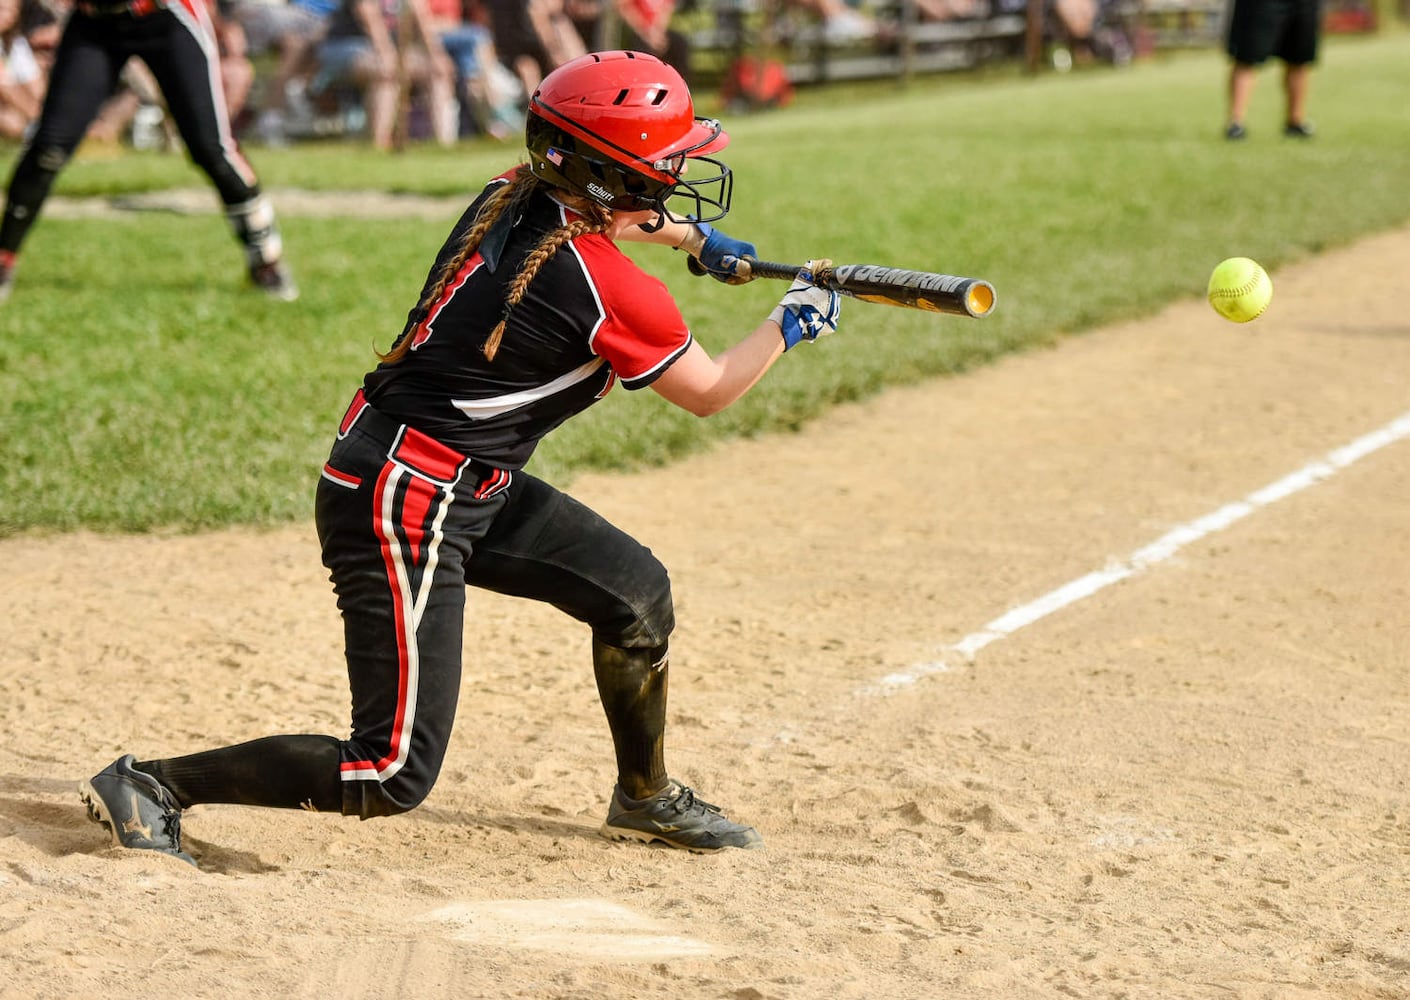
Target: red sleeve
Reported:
[(642, 332)]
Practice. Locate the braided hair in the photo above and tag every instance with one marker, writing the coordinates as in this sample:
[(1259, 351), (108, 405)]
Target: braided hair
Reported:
[(509, 197)]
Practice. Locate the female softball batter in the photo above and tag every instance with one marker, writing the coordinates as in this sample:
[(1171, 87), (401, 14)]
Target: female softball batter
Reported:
[(529, 315), (177, 41)]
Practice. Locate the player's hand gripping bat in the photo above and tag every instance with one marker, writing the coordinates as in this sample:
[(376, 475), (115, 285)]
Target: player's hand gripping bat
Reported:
[(891, 286)]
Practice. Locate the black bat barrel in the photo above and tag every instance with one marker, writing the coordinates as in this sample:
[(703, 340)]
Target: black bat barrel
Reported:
[(944, 293)]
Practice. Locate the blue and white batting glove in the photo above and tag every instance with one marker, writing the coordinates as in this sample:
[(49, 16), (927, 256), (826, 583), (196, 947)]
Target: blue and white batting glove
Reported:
[(806, 312), (721, 255)]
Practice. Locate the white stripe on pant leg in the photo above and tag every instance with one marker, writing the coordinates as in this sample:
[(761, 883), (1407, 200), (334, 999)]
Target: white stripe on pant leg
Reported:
[(386, 526)]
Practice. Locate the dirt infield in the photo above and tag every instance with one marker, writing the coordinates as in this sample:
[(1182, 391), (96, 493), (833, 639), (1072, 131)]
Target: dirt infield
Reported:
[(1193, 781)]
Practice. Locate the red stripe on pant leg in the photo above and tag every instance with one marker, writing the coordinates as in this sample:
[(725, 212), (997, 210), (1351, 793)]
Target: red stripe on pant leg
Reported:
[(416, 506), (387, 534), (406, 630)]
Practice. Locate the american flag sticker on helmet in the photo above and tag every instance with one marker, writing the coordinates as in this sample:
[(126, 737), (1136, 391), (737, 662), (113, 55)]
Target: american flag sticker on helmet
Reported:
[(554, 157)]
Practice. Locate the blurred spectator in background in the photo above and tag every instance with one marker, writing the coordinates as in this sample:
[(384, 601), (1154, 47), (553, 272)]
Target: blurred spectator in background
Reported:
[(533, 37), (951, 10), (645, 27), (560, 36), (292, 30), (1072, 23), (1084, 31), (490, 96), (135, 110), (592, 28), (22, 80), (841, 24), (380, 47), (42, 22), (237, 72), (1260, 30)]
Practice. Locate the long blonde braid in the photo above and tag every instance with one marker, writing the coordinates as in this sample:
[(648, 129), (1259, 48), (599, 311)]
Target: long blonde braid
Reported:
[(508, 198), (536, 258)]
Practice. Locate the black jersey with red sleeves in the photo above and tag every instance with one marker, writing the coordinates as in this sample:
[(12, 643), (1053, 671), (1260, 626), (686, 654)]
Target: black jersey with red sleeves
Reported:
[(590, 317)]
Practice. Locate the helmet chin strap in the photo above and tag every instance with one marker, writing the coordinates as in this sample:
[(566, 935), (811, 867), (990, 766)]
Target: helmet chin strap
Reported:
[(655, 225)]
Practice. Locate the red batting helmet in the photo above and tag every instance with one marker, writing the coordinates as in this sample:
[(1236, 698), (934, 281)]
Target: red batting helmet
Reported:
[(617, 127)]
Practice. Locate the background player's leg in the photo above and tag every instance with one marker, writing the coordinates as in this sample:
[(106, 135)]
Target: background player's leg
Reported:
[(187, 68), (83, 76), (1295, 83), (1242, 77)]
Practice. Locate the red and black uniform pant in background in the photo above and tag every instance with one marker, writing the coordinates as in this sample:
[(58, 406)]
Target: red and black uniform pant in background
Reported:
[(178, 45)]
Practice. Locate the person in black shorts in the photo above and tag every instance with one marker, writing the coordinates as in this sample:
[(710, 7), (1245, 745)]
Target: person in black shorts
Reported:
[(177, 41), (1262, 29), (529, 315)]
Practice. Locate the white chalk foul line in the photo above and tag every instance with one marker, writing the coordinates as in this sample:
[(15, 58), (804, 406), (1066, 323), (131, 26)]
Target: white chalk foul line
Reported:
[(1156, 552)]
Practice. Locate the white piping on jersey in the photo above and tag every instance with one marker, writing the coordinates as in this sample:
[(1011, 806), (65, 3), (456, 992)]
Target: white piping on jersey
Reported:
[(494, 406), (665, 362), (592, 287)]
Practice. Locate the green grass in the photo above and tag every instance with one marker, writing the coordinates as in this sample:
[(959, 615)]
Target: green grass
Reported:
[(142, 387)]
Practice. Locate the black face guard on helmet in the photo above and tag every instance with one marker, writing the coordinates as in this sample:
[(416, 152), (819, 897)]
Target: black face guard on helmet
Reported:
[(572, 164)]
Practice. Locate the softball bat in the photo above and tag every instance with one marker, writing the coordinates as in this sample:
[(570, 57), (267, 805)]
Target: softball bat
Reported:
[(889, 286)]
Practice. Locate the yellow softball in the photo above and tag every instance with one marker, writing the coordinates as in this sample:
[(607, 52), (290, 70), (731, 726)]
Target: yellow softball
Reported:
[(1239, 289)]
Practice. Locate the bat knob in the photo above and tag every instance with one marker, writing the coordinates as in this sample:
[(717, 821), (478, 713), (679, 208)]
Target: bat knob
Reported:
[(743, 271)]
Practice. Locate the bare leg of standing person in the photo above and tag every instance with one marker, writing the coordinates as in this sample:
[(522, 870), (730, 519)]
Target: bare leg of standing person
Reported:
[(1295, 80), (1241, 80)]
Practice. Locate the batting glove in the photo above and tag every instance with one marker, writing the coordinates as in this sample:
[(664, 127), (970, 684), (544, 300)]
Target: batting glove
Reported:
[(806, 312), (721, 255)]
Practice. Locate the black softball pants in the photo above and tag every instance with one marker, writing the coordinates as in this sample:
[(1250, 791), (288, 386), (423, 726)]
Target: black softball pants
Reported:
[(405, 525)]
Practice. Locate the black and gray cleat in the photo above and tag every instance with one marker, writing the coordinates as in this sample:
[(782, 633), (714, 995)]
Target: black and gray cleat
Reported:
[(676, 817), (135, 807)]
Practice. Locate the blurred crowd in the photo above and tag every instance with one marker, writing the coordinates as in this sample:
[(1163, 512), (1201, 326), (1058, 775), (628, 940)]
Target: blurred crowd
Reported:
[(437, 70), (386, 70)]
